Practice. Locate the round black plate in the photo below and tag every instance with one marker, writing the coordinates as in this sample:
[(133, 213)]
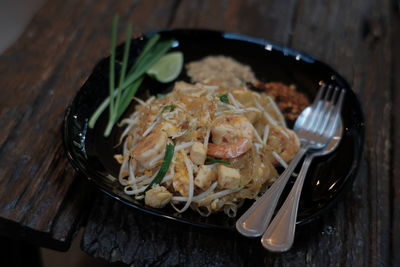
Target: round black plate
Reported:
[(329, 176)]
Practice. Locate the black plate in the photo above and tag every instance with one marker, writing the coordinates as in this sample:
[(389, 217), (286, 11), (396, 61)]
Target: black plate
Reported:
[(328, 177)]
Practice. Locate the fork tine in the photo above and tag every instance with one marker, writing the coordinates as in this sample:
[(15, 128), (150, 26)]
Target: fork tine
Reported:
[(316, 107), (329, 92), (324, 119), (333, 123), (325, 108), (339, 103), (320, 94), (330, 111), (335, 94), (336, 113)]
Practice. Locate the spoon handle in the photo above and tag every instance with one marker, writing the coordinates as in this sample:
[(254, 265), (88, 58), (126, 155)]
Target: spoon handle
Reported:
[(255, 220), (280, 233)]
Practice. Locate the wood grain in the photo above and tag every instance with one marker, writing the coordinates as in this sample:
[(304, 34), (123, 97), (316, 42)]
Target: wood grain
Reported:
[(43, 200), (354, 38), (39, 76), (354, 44), (118, 233), (395, 138)]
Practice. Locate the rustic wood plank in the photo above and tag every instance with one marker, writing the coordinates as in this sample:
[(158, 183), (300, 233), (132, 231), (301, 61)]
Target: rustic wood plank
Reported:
[(40, 75), (395, 140), (354, 44), (117, 233), (354, 38), (41, 200), (255, 18), (36, 176)]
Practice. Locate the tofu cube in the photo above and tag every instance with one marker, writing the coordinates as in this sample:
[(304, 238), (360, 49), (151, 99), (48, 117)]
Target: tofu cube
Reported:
[(198, 153), (157, 197), (228, 178), (205, 176)]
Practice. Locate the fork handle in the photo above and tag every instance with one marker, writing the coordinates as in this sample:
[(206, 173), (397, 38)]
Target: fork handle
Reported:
[(280, 233), (256, 219)]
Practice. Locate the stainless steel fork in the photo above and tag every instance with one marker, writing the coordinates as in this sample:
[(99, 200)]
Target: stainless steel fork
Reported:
[(315, 127)]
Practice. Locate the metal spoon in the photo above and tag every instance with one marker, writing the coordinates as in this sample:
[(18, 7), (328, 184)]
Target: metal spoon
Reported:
[(280, 233), (316, 125)]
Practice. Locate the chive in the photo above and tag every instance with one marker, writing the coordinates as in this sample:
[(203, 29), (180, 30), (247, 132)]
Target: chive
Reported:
[(169, 108), (101, 108), (148, 61), (124, 62), (212, 160), (98, 112), (129, 81), (114, 106), (149, 45), (128, 95), (126, 100), (112, 63), (224, 99), (169, 153)]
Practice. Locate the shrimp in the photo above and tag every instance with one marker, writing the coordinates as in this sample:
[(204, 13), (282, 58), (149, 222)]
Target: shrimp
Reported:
[(284, 142), (150, 148), (229, 150), (232, 136)]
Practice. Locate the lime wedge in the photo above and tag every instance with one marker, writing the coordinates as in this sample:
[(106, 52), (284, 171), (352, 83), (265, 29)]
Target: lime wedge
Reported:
[(167, 68)]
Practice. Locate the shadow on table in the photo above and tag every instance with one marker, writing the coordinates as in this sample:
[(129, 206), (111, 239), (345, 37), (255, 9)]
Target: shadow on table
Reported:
[(117, 232), (73, 257)]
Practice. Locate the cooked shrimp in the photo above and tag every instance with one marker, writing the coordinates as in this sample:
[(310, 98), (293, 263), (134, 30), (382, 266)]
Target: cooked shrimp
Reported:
[(243, 127), (228, 127), (232, 136), (284, 142), (149, 148), (229, 150)]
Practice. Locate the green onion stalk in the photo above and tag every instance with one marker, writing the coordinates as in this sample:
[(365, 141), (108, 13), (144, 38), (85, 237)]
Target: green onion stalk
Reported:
[(129, 80)]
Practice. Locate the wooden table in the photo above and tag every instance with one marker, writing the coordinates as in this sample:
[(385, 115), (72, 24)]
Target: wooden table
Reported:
[(44, 202)]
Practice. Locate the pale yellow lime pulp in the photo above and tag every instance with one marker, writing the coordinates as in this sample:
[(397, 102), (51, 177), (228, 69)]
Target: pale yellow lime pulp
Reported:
[(167, 68)]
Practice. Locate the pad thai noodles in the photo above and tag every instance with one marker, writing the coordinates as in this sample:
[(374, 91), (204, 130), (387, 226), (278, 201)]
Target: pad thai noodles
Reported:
[(206, 146)]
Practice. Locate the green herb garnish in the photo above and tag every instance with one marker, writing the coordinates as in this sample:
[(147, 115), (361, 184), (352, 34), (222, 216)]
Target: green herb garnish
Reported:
[(115, 103), (212, 160), (169, 108), (224, 99), (169, 153), (129, 80)]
